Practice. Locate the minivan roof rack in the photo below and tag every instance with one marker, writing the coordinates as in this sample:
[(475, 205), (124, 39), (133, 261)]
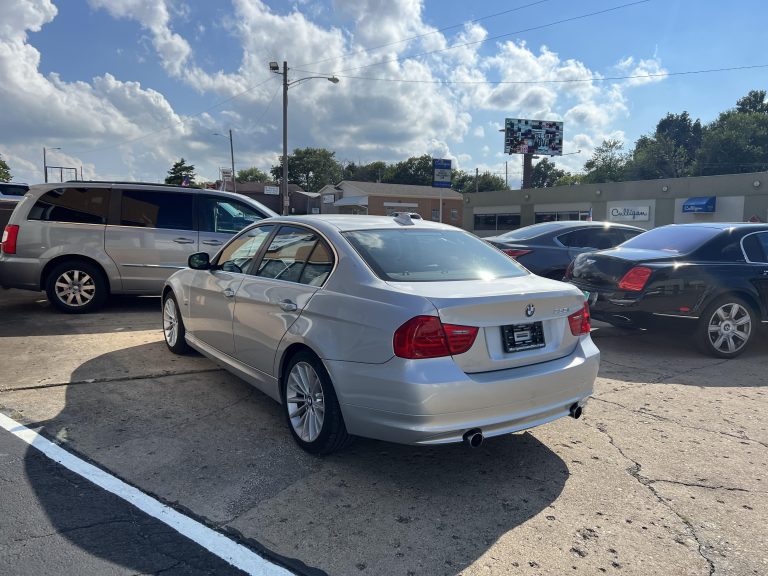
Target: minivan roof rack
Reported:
[(127, 182)]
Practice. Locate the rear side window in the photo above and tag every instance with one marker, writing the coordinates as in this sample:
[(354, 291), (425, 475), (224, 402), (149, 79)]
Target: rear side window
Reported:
[(431, 256), (157, 209), (673, 239), (80, 205), (756, 247)]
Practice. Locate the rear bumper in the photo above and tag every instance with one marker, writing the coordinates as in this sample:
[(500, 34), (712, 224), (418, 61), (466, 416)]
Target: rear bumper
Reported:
[(23, 273), (434, 402)]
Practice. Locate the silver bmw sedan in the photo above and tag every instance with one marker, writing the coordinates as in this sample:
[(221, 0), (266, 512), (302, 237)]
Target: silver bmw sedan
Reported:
[(392, 328)]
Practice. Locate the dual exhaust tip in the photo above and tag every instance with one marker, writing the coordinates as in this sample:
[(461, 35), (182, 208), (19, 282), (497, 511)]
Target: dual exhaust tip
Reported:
[(474, 438)]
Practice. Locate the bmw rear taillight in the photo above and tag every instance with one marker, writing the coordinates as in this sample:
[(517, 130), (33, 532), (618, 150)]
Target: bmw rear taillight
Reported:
[(635, 279), (579, 321), (515, 252), (10, 234), (427, 337)]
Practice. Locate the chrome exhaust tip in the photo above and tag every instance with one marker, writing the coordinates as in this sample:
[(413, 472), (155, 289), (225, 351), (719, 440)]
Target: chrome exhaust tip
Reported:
[(575, 411), (473, 438)]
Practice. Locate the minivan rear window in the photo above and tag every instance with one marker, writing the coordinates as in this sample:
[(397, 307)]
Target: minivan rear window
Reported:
[(425, 255), (80, 205)]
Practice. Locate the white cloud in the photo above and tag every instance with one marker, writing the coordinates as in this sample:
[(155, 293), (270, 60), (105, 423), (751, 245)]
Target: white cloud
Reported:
[(123, 129)]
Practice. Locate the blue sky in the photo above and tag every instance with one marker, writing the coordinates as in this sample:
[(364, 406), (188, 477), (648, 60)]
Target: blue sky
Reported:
[(126, 87)]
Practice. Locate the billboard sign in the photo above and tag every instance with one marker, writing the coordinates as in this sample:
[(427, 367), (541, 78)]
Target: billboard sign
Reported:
[(533, 137), (441, 173)]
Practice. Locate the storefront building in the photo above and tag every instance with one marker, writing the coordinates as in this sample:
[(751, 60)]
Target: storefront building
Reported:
[(643, 203)]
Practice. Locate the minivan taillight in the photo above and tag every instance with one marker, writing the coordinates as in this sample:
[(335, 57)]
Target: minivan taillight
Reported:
[(427, 337), (635, 279), (579, 321), (10, 234)]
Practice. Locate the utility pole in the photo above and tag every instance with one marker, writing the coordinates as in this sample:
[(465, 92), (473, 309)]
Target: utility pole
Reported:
[(284, 183), (477, 177), (506, 173), (527, 171), (232, 158)]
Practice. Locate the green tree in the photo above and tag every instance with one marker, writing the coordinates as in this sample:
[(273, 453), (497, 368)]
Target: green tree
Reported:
[(486, 182), (416, 170), (310, 168), (252, 174), (569, 179), (734, 143), (608, 163), (668, 152), (5, 171), (179, 171), (546, 174), (373, 172), (754, 101)]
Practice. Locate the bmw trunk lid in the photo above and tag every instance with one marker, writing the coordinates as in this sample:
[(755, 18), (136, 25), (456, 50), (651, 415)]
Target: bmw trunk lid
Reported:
[(521, 321)]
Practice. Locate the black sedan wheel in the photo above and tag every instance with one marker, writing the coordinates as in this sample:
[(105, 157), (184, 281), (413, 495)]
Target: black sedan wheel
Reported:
[(310, 406), (726, 327)]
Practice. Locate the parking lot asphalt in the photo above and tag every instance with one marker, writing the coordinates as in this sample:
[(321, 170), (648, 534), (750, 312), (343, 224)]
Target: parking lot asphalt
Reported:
[(666, 473)]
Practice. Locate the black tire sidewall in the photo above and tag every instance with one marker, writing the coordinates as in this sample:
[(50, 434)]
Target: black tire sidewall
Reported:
[(99, 281), (702, 332), (333, 424)]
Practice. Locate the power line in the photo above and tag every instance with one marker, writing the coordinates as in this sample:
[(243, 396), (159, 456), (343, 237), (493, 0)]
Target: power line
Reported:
[(439, 30), (465, 44), (560, 81)]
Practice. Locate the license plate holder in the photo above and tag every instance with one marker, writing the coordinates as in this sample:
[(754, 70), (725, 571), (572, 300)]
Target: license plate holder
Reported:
[(519, 337)]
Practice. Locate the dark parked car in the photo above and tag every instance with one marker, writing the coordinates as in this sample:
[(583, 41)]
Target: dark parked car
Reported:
[(713, 276), (546, 249), (10, 194)]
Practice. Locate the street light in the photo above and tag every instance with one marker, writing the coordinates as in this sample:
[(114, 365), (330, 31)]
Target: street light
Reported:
[(274, 67), (45, 163), (231, 157)]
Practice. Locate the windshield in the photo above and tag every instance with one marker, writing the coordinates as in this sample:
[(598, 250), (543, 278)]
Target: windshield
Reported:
[(528, 232), (431, 256), (672, 239)]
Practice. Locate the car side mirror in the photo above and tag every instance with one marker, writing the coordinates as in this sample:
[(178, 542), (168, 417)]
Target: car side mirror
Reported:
[(199, 261)]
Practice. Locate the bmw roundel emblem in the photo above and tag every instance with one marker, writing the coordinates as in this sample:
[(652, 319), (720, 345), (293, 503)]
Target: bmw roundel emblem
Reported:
[(530, 310)]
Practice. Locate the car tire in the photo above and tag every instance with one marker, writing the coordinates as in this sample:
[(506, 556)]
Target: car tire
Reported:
[(311, 407), (76, 287), (726, 327), (173, 326)]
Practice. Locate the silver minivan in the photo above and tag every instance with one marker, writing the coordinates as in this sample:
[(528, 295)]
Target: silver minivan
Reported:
[(81, 241)]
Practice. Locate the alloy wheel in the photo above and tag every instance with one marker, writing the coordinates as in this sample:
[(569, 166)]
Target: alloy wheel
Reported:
[(305, 402), (729, 328), (170, 322), (75, 288)]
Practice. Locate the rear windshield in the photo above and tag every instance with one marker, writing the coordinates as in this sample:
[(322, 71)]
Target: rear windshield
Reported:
[(424, 255), (672, 239), (531, 231)]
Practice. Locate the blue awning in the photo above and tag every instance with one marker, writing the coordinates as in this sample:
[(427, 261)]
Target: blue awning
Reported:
[(700, 204)]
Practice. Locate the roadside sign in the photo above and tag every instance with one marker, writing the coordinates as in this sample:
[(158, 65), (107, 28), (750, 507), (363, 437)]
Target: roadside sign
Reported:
[(441, 173), (274, 190)]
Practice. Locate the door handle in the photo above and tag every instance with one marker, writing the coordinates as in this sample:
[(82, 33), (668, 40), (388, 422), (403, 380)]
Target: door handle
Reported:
[(183, 241), (287, 306), (228, 292), (213, 242)]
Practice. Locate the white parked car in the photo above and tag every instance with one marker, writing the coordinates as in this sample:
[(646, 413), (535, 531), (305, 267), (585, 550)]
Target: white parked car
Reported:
[(391, 328)]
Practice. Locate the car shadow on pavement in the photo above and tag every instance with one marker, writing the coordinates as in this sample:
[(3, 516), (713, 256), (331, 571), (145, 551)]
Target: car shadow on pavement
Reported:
[(25, 312), (676, 360), (208, 444)]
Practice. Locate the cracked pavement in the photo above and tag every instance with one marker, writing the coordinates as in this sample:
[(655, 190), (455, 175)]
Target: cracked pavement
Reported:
[(667, 472)]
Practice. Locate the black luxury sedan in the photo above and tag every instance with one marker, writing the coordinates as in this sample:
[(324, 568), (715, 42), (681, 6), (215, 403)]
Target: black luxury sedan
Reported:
[(714, 276), (547, 248)]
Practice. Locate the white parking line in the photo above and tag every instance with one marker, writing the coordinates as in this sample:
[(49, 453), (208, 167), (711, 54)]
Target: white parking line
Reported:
[(235, 554)]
